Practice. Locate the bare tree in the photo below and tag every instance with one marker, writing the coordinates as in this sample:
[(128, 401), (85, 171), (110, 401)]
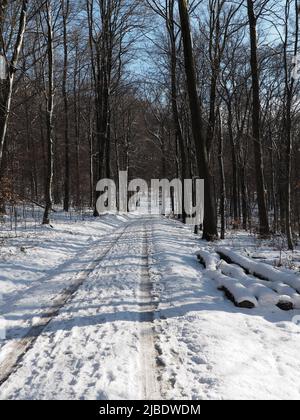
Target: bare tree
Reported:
[(210, 218), (289, 94), (256, 124), (6, 85), (65, 16), (49, 96)]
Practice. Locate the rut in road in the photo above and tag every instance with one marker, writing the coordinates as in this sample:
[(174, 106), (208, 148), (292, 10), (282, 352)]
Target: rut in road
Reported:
[(19, 349), (147, 317)]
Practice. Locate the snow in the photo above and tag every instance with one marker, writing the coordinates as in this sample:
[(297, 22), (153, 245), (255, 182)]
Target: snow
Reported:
[(54, 260), (129, 323), (283, 289), (212, 350), (38, 253), (209, 258), (235, 271), (239, 292), (269, 251), (91, 349), (266, 296)]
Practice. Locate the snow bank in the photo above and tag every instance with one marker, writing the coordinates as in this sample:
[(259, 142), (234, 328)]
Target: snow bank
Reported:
[(235, 291), (259, 269), (209, 259)]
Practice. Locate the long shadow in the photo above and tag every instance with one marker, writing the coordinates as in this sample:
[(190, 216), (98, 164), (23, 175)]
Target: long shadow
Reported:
[(135, 317), (60, 270), (179, 309), (88, 306), (217, 304)]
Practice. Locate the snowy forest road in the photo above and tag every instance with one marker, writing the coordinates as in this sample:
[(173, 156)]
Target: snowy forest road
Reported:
[(105, 283), (18, 349), (147, 322)]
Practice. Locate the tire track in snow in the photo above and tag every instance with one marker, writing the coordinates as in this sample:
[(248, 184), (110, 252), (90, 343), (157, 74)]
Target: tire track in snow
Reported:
[(150, 383), (14, 353)]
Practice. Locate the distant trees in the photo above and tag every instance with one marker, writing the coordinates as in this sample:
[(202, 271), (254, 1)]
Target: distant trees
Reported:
[(11, 41), (111, 24), (235, 85), (161, 88)]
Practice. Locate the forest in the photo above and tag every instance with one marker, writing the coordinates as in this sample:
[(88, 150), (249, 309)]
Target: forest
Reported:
[(110, 109), (158, 88)]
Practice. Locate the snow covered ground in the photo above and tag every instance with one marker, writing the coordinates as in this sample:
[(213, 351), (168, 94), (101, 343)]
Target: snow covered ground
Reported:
[(273, 252), (37, 253), (211, 349), (146, 322)]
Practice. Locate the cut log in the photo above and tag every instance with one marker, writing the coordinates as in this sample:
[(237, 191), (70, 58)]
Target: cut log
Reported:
[(263, 291), (234, 290), (259, 269), (209, 260)]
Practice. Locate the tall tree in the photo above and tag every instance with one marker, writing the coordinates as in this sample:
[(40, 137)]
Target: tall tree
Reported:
[(6, 85), (256, 124), (167, 12), (289, 94), (49, 95), (210, 215), (65, 16)]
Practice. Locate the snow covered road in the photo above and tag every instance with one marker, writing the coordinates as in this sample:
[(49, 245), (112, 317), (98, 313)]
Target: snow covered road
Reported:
[(96, 347), (144, 322)]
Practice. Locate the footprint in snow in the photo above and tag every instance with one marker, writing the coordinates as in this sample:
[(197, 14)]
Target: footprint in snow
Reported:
[(199, 360)]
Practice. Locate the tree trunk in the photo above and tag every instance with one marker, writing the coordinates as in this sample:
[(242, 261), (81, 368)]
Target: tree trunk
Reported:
[(234, 169), (65, 12), (289, 91), (244, 197), (210, 232), (50, 107), (223, 180), (174, 100), (256, 122), (6, 85)]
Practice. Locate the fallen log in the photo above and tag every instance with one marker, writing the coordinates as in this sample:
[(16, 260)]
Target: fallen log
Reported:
[(261, 290), (259, 269), (209, 260), (234, 290)]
